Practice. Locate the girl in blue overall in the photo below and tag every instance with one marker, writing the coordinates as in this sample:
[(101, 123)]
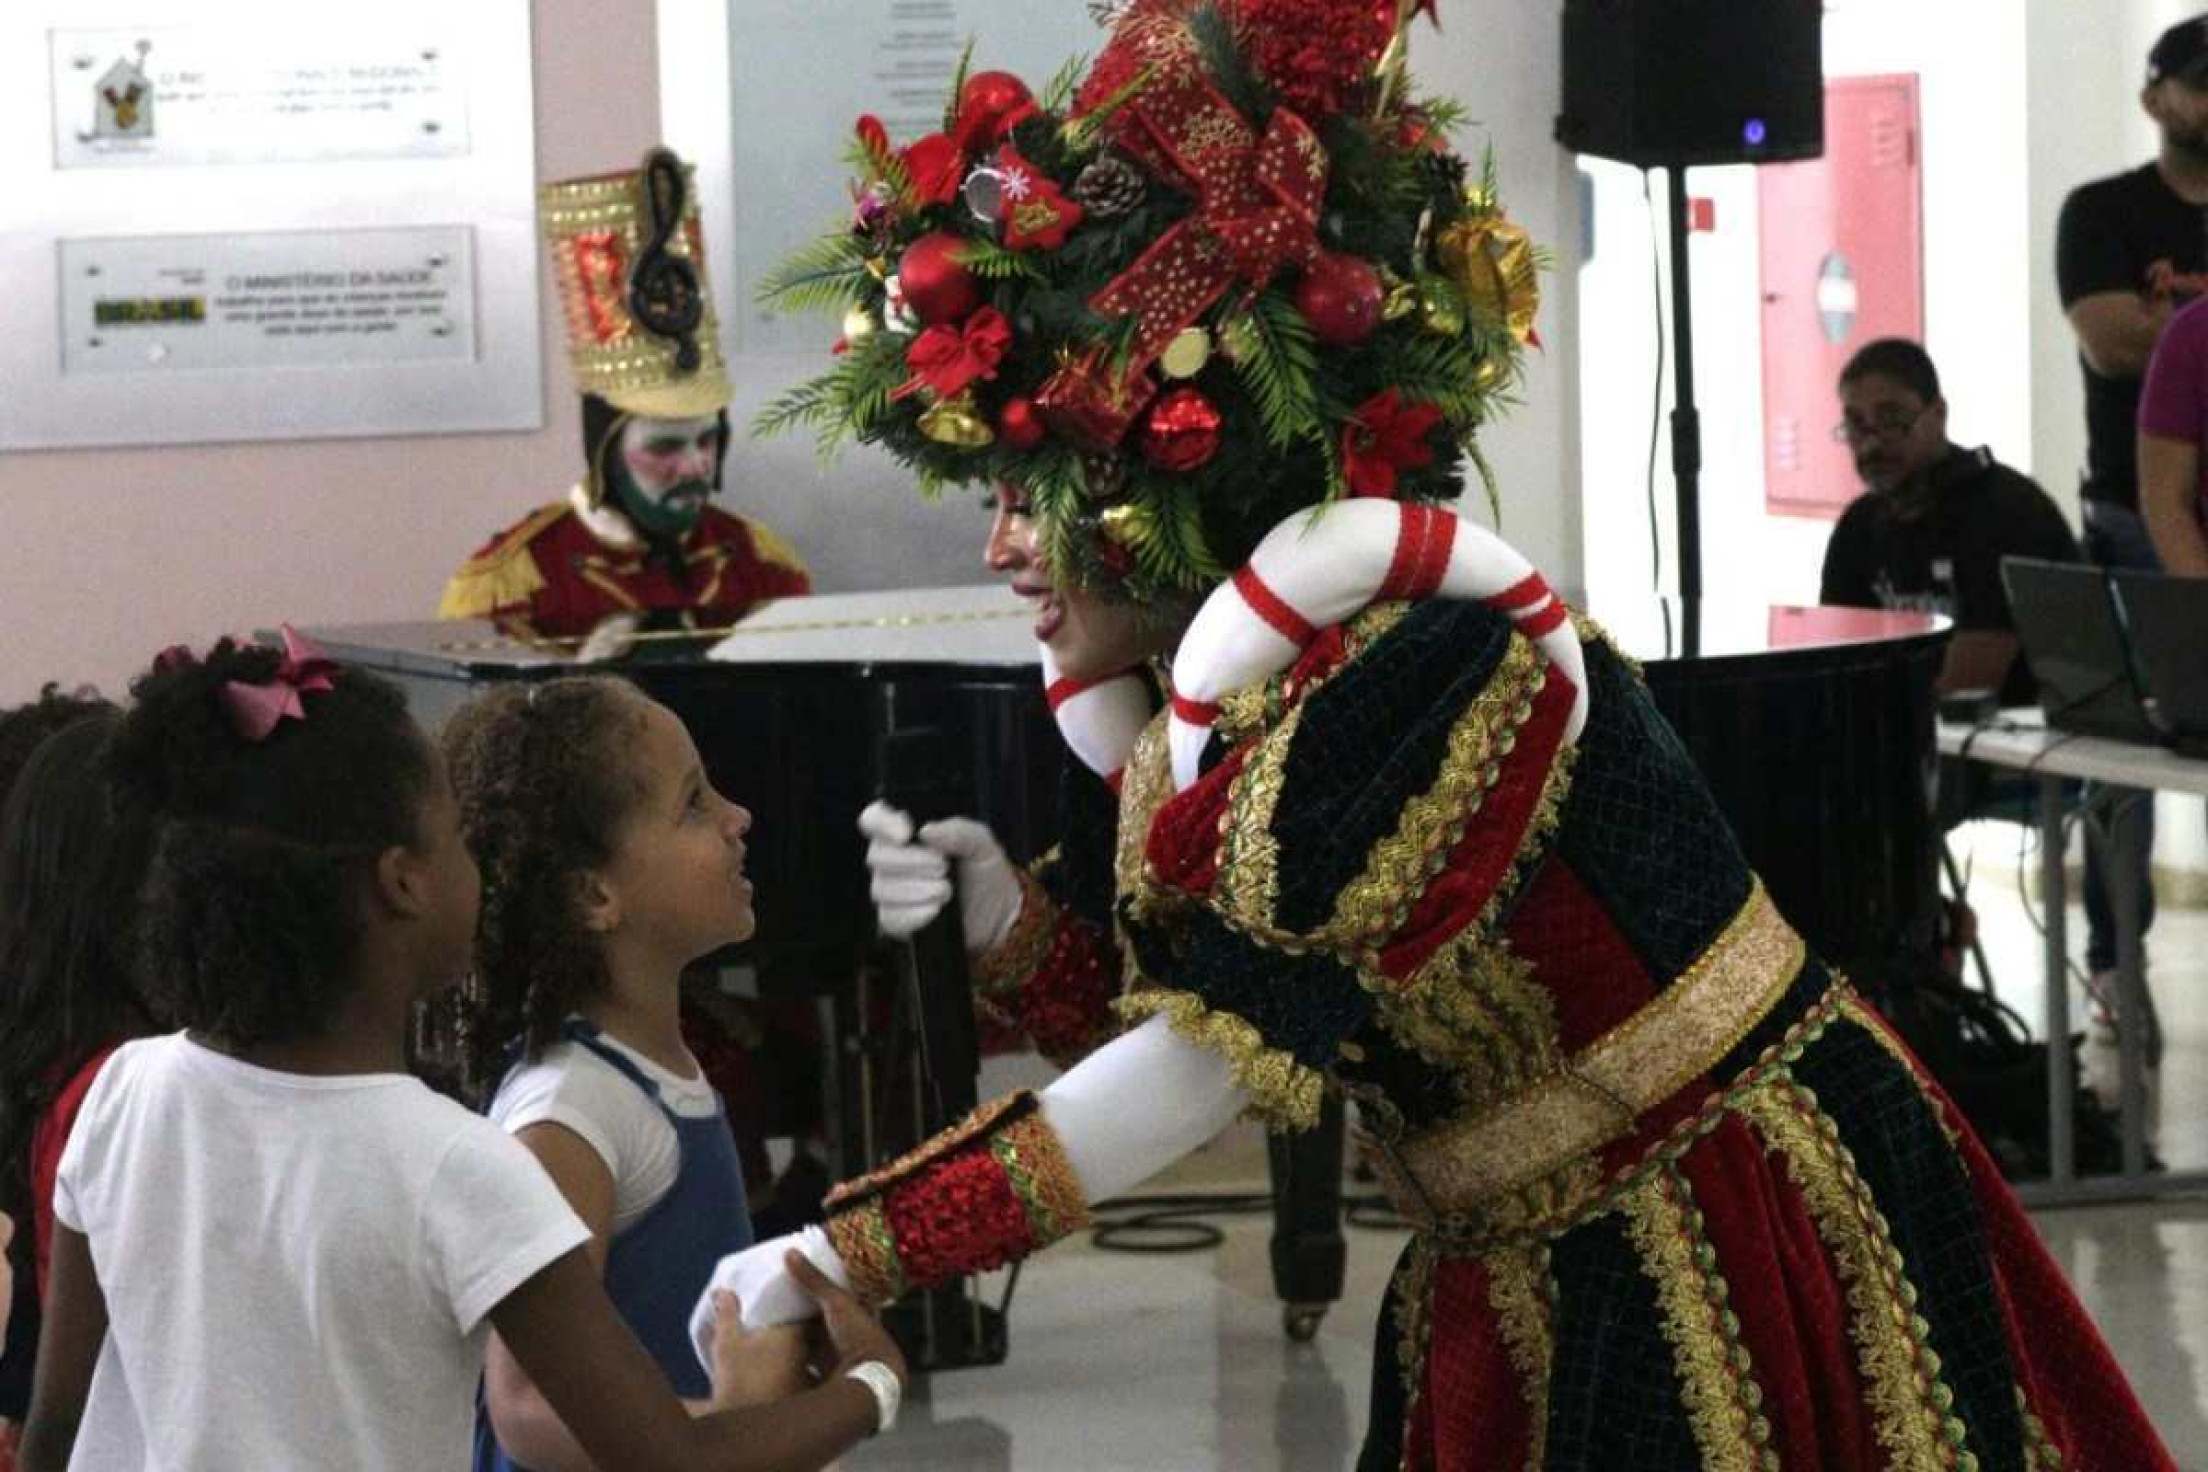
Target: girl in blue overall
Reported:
[(609, 864)]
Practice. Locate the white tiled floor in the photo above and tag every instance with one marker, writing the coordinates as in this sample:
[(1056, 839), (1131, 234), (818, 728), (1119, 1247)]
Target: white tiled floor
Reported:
[(1179, 1362)]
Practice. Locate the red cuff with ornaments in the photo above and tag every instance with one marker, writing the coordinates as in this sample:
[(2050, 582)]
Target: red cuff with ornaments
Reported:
[(984, 1193)]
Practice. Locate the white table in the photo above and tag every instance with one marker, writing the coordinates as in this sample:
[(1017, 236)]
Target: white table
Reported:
[(2019, 741)]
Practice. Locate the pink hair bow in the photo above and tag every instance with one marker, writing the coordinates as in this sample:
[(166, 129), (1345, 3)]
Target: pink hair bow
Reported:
[(256, 710)]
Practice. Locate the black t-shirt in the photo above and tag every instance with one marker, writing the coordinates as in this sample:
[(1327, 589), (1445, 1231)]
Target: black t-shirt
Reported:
[(1937, 548), (2128, 233)]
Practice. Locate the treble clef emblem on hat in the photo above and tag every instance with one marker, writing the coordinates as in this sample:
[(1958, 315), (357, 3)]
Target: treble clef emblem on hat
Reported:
[(664, 295)]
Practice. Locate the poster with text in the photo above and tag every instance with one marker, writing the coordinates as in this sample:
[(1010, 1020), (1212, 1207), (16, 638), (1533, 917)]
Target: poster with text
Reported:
[(180, 96)]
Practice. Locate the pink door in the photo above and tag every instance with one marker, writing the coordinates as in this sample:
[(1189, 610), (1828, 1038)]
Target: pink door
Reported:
[(1843, 264)]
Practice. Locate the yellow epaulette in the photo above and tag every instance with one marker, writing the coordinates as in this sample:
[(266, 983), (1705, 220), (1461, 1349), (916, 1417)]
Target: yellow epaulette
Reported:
[(771, 548), (503, 575)]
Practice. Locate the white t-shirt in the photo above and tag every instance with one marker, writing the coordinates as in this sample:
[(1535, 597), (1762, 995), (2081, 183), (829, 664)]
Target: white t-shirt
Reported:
[(570, 1085), (297, 1268)]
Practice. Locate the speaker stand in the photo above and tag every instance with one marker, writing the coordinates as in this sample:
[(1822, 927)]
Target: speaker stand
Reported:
[(1686, 422)]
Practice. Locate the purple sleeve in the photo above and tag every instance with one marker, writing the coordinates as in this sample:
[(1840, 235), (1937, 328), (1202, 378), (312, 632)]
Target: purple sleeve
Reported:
[(2171, 405)]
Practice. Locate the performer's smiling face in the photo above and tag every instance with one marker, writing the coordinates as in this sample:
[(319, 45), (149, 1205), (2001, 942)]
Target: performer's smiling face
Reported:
[(1089, 634), (667, 471)]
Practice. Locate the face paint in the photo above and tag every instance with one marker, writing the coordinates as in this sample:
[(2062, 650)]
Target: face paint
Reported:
[(661, 472)]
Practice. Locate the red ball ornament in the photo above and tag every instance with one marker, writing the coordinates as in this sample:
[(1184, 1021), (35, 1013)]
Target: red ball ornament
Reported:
[(1020, 424), (990, 105), (937, 285), (1182, 431), (1340, 296)]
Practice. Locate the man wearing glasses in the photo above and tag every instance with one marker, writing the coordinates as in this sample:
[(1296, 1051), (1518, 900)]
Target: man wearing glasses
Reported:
[(1930, 531)]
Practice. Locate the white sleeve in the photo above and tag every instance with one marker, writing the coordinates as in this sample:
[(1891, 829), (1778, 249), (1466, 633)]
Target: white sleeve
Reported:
[(1123, 1114), (1137, 1104), (89, 1133), (580, 1092), (492, 1219)]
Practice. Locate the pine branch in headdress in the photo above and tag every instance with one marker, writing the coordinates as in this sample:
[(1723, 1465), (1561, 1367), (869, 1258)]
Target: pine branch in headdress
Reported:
[(993, 262), (1220, 51), (958, 87), (879, 165), (828, 274), (1083, 132), (1059, 90), (1273, 350)]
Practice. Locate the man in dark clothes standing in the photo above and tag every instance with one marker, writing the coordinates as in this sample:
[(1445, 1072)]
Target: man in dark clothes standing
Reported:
[(1930, 531), (2129, 252)]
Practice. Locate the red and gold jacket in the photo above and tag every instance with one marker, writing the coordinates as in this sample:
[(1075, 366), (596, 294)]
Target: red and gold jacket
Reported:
[(551, 575)]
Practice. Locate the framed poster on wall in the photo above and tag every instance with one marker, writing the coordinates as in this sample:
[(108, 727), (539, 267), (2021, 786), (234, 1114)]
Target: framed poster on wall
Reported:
[(255, 221)]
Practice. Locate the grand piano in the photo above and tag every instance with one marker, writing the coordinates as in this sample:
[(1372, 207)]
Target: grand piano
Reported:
[(1813, 726)]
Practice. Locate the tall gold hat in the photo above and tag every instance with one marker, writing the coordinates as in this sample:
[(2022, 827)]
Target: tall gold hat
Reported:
[(630, 257)]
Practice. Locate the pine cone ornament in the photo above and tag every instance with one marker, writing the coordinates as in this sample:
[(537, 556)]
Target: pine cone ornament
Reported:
[(1109, 188), (1443, 172)]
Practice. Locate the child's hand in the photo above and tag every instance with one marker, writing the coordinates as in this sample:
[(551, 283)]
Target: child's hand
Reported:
[(853, 1329), (754, 1367)]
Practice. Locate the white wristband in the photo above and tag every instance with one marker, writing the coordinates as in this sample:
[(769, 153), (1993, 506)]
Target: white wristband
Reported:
[(888, 1391)]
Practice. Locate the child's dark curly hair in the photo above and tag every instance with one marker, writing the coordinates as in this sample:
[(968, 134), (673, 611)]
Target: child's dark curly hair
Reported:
[(71, 858), (262, 850), (28, 724), (544, 783)]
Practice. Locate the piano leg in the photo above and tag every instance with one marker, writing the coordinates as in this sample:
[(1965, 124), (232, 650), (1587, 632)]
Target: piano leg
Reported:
[(1308, 1250)]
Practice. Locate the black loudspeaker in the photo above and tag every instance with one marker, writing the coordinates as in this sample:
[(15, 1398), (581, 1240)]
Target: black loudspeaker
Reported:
[(1676, 82)]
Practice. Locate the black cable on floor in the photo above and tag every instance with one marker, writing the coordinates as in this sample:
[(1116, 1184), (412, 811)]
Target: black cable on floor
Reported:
[(1178, 1222)]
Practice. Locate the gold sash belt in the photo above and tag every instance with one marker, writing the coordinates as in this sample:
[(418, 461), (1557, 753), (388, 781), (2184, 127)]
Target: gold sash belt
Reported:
[(1598, 1095)]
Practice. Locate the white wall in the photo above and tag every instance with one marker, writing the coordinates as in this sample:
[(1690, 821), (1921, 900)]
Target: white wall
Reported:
[(112, 554), (1969, 58)]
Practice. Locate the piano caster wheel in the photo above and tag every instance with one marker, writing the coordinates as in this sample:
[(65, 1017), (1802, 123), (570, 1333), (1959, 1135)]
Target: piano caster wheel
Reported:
[(1301, 1320)]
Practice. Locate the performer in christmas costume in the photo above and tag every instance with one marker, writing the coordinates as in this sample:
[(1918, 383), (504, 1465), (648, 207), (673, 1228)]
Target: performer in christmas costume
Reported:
[(636, 542), (1406, 829)]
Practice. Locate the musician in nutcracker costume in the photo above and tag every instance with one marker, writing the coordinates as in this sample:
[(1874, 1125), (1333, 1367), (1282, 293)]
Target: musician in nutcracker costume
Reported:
[(637, 543), (1396, 824)]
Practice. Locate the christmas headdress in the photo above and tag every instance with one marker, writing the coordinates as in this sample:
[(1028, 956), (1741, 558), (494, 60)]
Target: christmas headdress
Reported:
[(1230, 273)]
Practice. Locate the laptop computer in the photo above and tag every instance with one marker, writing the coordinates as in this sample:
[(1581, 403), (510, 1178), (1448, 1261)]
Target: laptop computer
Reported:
[(2167, 621), (2074, 640)]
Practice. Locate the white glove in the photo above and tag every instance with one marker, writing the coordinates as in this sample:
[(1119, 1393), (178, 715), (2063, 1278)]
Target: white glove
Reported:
[(761, 1282), (611, 638), (1124, 1113), (912, 879)]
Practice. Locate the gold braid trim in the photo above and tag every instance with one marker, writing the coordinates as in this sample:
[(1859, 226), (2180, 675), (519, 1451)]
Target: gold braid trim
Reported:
[(1597, 1095), (1716, 1375), (862, 1238), (1871, 1023), (1248, 885), (1901, 1374), (1522, 1292), (1005, 966), (2040, 1452), (1579, 1193), (977, 1125), (1284, 1093), (1414, 1295), (1034, 1160), (1373, 906), (1474, 1012)]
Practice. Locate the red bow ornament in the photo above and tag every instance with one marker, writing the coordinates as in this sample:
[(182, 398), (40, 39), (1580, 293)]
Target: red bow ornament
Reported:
[(1257, 202), (946, 360), (1383, 437), (256, 710)]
